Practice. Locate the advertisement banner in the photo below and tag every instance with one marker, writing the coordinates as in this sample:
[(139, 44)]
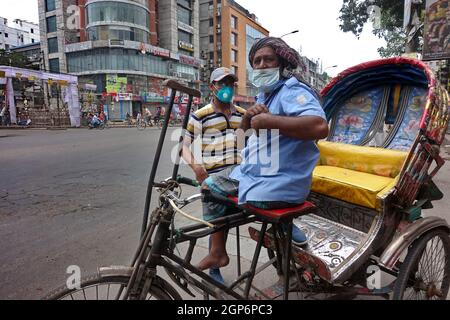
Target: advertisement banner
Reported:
[(116, 84), (437, 30)]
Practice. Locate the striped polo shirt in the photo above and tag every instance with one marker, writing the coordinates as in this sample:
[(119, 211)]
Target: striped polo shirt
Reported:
[(218, 142)]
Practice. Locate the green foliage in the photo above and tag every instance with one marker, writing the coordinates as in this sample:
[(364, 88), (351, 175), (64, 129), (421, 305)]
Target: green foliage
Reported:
[(14, 59), (354, 16)]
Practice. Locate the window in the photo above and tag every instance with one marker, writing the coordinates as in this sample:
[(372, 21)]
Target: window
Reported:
[(50, 5), (234, 55), (211, 55), (51, 24), (234, 22), (234, 39), (117, 12), (52, 45), (185, 3), (6, 35), (54, 65), (235, 70), (211, 39), (32, 40), (184, 36), (32, 31), (184, 15), (211, 22)]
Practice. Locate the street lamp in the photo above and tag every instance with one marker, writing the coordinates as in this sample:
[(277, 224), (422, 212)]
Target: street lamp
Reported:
[(331, 67), (292, 32)]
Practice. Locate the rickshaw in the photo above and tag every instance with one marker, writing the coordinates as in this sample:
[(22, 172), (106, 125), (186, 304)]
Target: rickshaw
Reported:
[(374, 179)]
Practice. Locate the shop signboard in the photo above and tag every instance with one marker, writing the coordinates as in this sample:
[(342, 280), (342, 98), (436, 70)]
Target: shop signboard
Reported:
[(186, 46)]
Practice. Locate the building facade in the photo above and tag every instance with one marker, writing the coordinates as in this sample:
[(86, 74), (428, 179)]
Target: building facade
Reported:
[(227, 33), (19, 33), (122, 48)]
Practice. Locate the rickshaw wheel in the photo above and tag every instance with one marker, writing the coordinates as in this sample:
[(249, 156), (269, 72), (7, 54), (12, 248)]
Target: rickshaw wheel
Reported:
[(424, 275), (107, 288)]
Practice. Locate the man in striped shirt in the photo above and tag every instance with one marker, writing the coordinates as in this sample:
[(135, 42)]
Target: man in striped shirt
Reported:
[(211, 145), (215, 125)]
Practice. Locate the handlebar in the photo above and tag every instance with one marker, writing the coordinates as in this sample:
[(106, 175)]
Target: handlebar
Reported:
[(188, 181), (183, 89)]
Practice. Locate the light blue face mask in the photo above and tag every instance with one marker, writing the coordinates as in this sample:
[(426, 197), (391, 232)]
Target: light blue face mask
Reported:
[(225, 94), (266, 79)]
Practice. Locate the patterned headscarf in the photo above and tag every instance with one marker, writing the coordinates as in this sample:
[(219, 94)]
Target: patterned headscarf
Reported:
[(291, 62)]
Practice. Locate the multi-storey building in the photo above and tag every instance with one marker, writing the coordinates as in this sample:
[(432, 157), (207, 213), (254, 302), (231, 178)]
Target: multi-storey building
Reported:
[(314, 74), (127, 48), (20, 33), (227, 33)]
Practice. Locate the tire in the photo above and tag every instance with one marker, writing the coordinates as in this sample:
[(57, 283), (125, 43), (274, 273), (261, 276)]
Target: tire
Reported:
[(141, 125), (425, 272), (101, 126), (93, 286)]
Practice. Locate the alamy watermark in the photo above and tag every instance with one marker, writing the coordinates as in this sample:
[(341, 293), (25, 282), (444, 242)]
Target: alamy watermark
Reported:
[(74, 279)]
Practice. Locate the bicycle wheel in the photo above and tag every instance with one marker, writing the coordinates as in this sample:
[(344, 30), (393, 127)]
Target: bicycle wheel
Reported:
[(141, 125), (95, 287), (101, 126), (424, 275)]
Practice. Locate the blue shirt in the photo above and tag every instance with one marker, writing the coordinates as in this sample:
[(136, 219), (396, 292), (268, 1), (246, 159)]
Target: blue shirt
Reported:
[(276, 167)]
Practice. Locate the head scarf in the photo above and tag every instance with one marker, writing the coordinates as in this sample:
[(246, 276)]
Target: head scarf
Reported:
[(291, 64)]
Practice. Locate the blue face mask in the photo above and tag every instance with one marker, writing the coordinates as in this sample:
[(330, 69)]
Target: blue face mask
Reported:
[(225, 94), (266, 79)]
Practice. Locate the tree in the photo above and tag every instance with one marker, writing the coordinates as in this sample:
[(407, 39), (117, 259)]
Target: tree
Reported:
[(387, 17), (15, 59)]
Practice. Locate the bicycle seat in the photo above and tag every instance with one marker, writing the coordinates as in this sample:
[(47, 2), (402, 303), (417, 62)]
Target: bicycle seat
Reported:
[(282, 213)]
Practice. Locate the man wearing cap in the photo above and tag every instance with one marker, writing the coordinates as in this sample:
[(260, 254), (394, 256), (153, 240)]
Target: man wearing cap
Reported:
[(216, 125)]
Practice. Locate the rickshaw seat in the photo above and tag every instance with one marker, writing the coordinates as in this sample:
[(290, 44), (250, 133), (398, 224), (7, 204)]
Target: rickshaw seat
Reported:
[(356, 174), (280, 214)]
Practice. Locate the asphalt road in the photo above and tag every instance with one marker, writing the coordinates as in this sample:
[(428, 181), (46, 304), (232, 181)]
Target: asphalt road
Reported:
[(76, 197)]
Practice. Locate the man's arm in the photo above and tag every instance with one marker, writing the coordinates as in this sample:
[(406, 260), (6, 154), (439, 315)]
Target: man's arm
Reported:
[(301, 128), (199, 170)]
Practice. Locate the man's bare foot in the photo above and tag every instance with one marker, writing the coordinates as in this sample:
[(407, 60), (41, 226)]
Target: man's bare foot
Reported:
[(214, 261)]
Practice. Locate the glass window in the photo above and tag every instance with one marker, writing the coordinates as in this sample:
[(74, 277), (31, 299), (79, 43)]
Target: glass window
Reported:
[(234, 41), (184, 36), (54, 65), (51, 24), (211, 22), (52, 45), (184, 15), (117, 12), (234, 22), (211, 39), (186, 3), (50, 5), (234, 55)]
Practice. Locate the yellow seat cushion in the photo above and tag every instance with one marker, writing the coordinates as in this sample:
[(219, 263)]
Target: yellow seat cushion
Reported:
[(376, 161), (355, 187)]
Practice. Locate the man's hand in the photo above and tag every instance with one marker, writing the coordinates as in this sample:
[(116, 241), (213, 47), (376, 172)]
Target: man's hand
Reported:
[(261, 121), (252, 112), (200, 173)]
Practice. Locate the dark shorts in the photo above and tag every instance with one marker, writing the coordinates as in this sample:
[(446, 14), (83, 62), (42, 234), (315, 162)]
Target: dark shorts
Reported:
[(221, 184)]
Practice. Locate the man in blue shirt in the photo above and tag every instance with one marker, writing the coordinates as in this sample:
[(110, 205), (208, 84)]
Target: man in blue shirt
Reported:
[(278, 161)]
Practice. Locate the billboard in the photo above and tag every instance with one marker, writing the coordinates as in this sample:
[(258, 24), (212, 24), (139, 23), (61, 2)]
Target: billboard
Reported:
[(437, 30), (116, 84)]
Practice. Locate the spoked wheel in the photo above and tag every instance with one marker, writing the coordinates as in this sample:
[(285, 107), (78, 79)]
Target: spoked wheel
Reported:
[(425, 273), (141, 125), (111, 288)]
